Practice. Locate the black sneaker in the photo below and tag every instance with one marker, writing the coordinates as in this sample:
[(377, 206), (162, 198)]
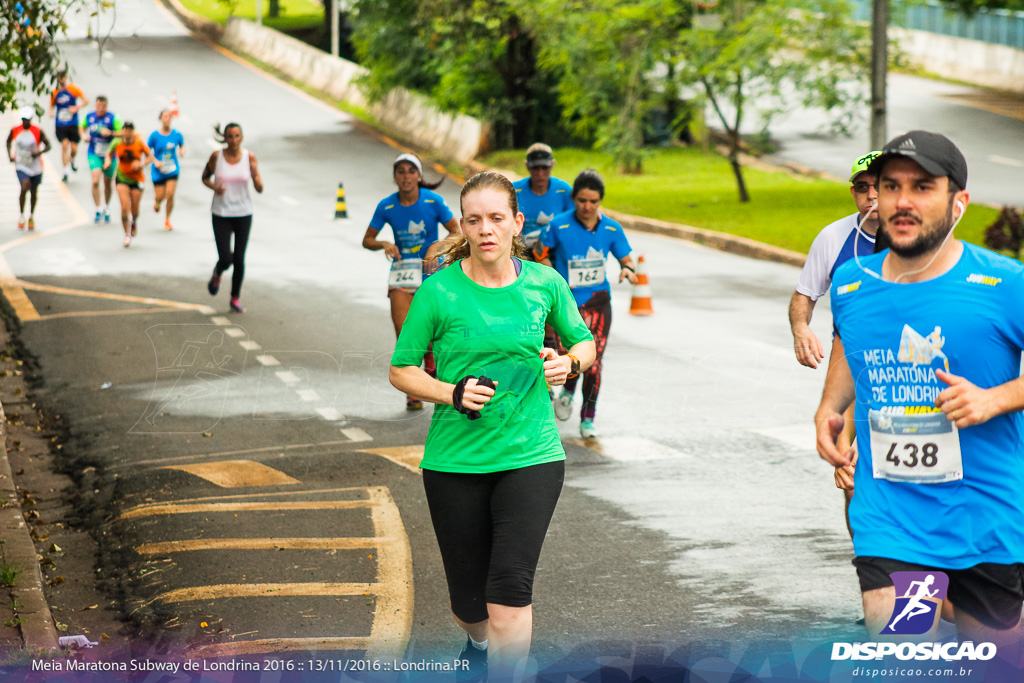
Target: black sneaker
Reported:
[(213, 286), (473, 664)]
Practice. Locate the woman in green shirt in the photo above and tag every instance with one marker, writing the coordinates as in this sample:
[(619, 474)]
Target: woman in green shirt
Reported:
[(493, 463)]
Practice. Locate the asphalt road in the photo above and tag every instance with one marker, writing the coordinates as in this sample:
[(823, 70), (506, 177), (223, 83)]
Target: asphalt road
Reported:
[(254, 483), (987, 127)]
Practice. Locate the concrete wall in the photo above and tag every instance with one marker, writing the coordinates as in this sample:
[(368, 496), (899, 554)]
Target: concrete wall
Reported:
[(995, 66), (412, 116)]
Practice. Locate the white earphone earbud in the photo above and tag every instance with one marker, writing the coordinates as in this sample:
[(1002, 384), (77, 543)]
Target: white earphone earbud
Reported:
[(961, 205)]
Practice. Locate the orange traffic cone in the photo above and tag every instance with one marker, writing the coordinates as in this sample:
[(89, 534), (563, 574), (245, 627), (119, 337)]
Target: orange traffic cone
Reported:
[(174, 103), (641, 304)]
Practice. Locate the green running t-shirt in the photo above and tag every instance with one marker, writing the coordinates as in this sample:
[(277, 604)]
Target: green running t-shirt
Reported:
[(497, 332)]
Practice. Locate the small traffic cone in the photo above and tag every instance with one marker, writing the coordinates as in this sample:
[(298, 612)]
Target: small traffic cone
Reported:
[(641, 304), (174, 103), (340, 207)]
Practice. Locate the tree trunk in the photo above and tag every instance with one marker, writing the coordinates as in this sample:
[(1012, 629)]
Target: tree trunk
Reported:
[(734, 141)]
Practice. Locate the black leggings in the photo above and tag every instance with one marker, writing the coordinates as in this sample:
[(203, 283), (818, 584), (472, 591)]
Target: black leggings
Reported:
[(597, 314), (223, 228), (490, 528)]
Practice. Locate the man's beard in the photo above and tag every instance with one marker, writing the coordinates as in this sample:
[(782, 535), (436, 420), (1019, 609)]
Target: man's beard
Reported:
[(928, 240)]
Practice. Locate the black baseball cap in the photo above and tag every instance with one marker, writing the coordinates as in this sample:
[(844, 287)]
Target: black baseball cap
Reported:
[(933, 152), (539, 155)]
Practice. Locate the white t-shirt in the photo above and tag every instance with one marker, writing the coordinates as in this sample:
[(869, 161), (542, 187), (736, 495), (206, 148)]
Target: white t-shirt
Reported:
[(832, 248), (26, 144), (236, 200)]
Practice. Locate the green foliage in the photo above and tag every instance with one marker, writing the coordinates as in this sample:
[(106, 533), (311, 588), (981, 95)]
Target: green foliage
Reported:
[(294, 14), (29, 55), (684, 185), (971, 7), (604, 54), (8, 574), (471, 56), (780, 52)]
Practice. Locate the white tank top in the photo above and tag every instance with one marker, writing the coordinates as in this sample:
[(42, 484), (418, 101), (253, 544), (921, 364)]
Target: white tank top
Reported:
[(236, 200)]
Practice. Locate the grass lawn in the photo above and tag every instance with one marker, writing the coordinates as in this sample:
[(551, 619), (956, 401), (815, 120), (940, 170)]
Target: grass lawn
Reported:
[(683, 185), (294, 13)]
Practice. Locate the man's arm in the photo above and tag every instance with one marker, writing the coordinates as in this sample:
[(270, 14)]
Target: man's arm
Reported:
[(966, 404), (45, 142), (837, 396), (805, 344), (628, 269)]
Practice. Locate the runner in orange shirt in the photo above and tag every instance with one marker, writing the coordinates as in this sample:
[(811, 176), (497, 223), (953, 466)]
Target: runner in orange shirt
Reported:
[(132, 156)]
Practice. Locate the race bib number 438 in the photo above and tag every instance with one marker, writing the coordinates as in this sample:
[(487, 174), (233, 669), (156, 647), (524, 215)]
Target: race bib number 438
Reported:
[(920, 448)]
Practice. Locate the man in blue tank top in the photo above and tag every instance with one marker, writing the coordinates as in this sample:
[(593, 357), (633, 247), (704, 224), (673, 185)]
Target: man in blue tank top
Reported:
[(928, 346)]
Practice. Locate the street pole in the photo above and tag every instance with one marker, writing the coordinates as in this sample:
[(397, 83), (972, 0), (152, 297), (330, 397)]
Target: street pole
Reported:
[(879, 67), (259, 12), (335, 28)]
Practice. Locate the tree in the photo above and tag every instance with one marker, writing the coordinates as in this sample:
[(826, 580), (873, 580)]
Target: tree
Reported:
[(787, 52), (472, 56), (605, 55), (29, 55)]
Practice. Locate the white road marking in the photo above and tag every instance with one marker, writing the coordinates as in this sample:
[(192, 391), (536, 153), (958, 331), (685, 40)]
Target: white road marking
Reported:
[(331, 414), (1016, 163), (356, 434), (220, 320), (288, 377), (207, 310), (235, 332), (268, 360), (249, 345), (308, 394)]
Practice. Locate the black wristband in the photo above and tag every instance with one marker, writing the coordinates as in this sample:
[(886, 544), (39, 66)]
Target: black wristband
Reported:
[(460, 389)]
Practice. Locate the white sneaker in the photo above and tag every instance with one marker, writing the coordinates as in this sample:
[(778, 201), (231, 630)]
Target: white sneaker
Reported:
[(587, 429), (563, 405), (127, 240)]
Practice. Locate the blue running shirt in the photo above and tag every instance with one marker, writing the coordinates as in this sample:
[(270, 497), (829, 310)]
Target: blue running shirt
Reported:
[(91, 124), (165, 149), (971, 320), (540, 209), (414, 227), (579, 254)]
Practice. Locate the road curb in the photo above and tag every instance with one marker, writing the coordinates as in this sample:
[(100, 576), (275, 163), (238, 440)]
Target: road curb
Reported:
[(37, 629)]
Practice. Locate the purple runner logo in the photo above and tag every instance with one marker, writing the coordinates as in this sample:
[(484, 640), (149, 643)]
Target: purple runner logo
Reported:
[(919, 597)]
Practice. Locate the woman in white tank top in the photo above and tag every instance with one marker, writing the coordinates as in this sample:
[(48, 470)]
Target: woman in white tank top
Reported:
[(228, 173)]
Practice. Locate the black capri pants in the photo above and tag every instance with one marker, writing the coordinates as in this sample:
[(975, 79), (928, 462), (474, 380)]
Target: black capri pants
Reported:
[(490, 529)]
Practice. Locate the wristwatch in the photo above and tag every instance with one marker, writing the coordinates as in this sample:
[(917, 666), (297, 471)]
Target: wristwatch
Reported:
[(574, 370)]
